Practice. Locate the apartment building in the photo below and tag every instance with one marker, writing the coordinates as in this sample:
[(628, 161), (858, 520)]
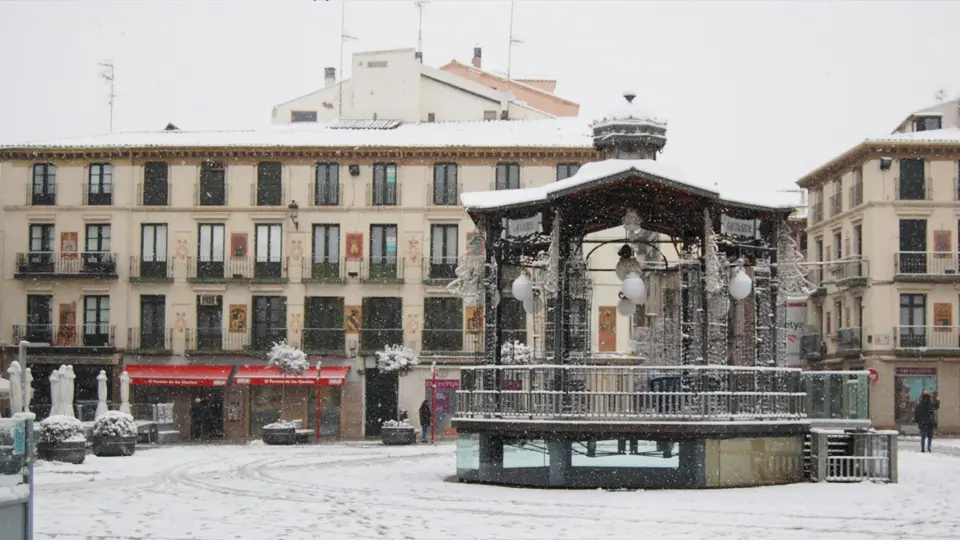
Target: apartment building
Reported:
[(883, 238)]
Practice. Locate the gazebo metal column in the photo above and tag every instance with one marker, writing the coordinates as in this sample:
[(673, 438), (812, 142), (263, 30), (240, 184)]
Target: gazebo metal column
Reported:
[(491, 444)]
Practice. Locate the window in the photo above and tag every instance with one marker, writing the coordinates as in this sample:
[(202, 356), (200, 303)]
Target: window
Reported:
[(926, 123), (100, 184), (97, 253), (209, 335), (803, 242), (489, 115), (41, 238), (96, 321), (442, 324), (383, 251), (326, 252), (513, 320), (818, 269), (837, 313), (303, 116), (508, 176), (385, 184), (912, 181), (156, 187), (213, 190), (269, 251), (445, 189), (327, 184), (152, 322), (324, 324), (382, 323), (210, 250), (269, 184), (566, 170), (153, 250), (913, 247), (443, 251), (44, 192), (431, 117), (269, 321), (39, 318), (856, 190), (913, 320), (837, 246), (858, 240)]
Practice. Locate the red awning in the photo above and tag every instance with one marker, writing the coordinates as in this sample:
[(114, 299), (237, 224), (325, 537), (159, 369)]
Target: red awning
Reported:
[(179, 375), (263, 375)]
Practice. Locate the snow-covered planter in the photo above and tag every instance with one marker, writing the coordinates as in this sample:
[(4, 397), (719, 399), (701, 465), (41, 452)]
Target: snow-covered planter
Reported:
[(393, 432), (514, 353), (280, 432), (397, 359), (60, 438), (114, 434)]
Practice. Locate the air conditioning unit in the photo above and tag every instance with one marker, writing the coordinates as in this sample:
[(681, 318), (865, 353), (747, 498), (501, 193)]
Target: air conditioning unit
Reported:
[(209, 300)]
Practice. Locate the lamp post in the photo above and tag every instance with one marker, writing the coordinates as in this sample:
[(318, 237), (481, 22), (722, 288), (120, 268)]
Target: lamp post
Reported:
[(24, 374), (294, 210)]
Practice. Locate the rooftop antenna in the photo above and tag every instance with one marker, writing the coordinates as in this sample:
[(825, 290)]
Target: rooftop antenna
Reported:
[(106, 73), (513, 41), (420, 5), (344, 37), (940, 95)]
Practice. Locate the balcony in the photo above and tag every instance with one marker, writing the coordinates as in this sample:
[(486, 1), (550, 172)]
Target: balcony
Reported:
[(925, 266), (375, 339), (102, 196), (261, 339), (159, 341), (267, 196), (849, 340), (323, 270), (914, 190), (383, 270), (142, 271), (326, 195), (324, 340), (216, 340), (443, 196), (212, 194), (237, 269), (856, 195), (41, 195), (86, 336), (927, 340), (48, 264), (439, 271), (451, 342), (156, 194), (816, 213), (384, 195), (848, 272), (836, 204), (812, 348)]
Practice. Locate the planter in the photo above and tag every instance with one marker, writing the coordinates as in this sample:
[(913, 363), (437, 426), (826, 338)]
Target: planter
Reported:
[(398, 435), (9, 463), (68, 452), (114, 446), (280, 435)]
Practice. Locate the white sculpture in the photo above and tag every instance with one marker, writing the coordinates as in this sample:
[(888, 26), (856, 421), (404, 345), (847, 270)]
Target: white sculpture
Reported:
[(16, 387), (26, 406), (55, 393), (101, 394), (125, 392)]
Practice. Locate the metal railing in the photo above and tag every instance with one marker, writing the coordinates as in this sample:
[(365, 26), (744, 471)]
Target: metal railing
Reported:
[(150, 339), (150, 270), (94, 264), (816, 214), (261, 339), (927, 337), (153, 197), (926, 263), (41, 194), (456, 341), (837, 395), (216, 340), (439, 270), (914, 190), (847, 268), (375, 339), (862, 456), (856, 195), (674, 393), (267, 197), (103, 196), (382, 270), (323, 270), (214, 195), (384, 194), (327, 195), (836, 204), (325, 340), (237, 268), (811, 347), (443, 195), (849, 339), (76, 335)]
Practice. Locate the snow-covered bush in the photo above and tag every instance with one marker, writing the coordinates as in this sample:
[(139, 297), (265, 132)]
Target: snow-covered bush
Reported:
[(396, 424), (396, 359), (514, 353), (288, 360), (115, 424), (59, 428), (281, 424)]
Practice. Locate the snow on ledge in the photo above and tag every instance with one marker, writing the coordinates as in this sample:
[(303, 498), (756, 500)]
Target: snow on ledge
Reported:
[(14, 493)]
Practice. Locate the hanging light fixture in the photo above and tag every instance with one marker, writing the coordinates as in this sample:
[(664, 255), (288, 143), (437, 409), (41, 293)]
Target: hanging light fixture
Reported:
[(522, 288), (741, 285), (627, 264), (633, 288), (625, 306)]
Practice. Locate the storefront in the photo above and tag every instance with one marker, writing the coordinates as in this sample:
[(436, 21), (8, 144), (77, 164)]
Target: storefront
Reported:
[(264, 396), (909, 383), (182, 386), (445, 405)]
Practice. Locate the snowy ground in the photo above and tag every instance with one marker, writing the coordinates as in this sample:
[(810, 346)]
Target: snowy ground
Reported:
[(366, 490)]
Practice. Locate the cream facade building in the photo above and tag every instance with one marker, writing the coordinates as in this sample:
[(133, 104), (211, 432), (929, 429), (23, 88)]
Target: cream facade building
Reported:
[(883, 236)]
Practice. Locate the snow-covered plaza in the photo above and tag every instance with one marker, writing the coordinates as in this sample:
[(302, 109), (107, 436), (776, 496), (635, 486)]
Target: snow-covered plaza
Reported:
[(367, 490)]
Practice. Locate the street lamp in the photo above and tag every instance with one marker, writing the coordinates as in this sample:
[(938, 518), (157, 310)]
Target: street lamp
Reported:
[(24, 382), (294, 210)]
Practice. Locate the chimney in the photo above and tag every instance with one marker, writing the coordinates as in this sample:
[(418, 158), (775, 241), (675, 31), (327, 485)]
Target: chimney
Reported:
[(329, 76), (418, 56), (476, 57)]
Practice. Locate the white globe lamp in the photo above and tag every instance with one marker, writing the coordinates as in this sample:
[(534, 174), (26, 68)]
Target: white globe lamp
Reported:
[(523, 288), (633, 288), (625, 307), (626, 266), (741, 285), (528, 306)]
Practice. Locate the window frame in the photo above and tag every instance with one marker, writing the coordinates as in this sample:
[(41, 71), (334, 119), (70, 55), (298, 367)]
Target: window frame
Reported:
[(382, 194), (505, 172), (331, 185), (446, 188)]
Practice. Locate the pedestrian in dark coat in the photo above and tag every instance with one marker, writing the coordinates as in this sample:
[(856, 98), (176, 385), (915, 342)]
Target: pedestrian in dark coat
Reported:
[(197, 413), (426, 419), (925, 417)]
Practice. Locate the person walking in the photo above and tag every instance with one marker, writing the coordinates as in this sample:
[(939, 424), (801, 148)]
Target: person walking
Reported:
[(197, 411), (925, 416), (426, 419)]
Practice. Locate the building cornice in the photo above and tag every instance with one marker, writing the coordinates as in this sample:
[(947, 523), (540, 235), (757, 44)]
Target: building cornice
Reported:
[(867, 150)]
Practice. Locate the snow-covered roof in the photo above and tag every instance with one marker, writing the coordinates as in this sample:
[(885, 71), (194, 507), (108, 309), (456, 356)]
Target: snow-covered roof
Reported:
[(589, 172), (946, 135), (628, 111), (550, 133)]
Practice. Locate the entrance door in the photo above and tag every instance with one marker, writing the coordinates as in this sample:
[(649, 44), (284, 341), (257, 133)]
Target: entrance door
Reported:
[(381, 399), (913, 320), (153, 322), (213, 416), (913, 246), (209, 323)]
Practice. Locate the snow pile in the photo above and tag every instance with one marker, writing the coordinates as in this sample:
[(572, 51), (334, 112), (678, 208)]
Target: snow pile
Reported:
[(514, 353), (281, 424), (287, 360), (115, 424), (60, 428), (14, 493), (396, 424), (396, 359)]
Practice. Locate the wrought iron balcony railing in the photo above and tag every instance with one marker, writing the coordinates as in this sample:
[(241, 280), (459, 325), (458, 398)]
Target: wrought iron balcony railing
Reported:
[(42, 194), (217, 339), (914, 189), (444, 194), (439, 270), (89, 264), (440, 342), (383, 270), (856, 195), (150, 270), (98, 196), (926, 263), (846, 270), (323, 270), (150, 339), (77, 335), (927, 337), (836, 204), (237, 268), (326, 194), (375, 339), (849, 339), (324, 340)]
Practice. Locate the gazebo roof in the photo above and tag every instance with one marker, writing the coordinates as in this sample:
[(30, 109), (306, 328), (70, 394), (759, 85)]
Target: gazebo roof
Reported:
[(602, 191)]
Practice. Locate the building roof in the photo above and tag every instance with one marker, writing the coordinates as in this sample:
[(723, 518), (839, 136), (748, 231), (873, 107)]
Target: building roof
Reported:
[(513, 81), (550, 133), (927, 111)]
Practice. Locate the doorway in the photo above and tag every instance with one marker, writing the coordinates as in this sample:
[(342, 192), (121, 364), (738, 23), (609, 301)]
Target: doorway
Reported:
[(913, 246), (381, 400), (212, 398)]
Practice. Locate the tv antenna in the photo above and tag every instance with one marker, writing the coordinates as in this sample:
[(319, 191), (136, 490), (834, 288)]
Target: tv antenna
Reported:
[(940, 95), (420, 5), (513, 41), (106, 73), (344, 37)]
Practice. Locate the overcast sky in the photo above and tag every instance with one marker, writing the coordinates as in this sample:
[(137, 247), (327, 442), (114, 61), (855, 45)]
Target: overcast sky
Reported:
[(755, 93)]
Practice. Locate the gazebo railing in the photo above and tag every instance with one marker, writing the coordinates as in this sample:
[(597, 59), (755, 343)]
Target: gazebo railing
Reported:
[(680, 393)]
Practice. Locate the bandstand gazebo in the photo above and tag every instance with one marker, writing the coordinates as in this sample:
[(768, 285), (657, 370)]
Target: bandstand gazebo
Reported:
[(710, 404)]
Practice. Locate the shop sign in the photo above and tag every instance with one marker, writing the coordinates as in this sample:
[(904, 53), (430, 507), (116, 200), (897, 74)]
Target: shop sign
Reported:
[(873, 376), (444, 384), (916, 371), (524, 227), (747, 228)]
